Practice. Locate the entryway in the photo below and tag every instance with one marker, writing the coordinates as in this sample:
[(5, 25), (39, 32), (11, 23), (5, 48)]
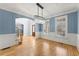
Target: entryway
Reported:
[(24, 27)]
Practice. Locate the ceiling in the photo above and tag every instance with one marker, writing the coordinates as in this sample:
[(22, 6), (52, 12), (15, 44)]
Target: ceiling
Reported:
[(30, 9)]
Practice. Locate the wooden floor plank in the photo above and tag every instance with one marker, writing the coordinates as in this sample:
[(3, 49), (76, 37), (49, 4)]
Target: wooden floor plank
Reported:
[(40, 47)]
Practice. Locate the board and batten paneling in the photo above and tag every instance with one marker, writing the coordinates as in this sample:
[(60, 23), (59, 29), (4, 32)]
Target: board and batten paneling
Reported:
[(52, 24), (38, 27), (7, 22), (72, 22)]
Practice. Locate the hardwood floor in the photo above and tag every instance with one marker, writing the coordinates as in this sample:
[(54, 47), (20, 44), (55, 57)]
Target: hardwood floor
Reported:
[(40, 47)]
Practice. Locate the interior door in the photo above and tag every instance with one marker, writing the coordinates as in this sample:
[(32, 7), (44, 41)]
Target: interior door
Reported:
[(33, 30)]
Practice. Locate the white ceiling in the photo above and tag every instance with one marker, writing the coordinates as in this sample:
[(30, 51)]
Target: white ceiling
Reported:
[(30, 9)]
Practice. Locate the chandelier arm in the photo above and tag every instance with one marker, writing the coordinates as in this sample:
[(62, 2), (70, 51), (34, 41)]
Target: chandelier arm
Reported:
[(42, 12), (37, 10)]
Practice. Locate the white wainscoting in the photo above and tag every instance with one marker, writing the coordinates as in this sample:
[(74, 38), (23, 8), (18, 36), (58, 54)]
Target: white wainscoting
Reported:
[(37, 34), (78, 43), (70, 39), (7, 40)]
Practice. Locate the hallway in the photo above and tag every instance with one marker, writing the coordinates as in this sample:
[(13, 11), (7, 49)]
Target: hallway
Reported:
[(40, 47)]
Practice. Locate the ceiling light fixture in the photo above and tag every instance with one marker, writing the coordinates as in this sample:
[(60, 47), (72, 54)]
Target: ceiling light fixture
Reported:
[(38, 16)]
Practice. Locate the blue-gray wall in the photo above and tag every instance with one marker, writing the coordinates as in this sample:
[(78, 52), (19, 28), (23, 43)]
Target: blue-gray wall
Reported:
[(7, 21), (52, 24), (72, 23), (39, 27)]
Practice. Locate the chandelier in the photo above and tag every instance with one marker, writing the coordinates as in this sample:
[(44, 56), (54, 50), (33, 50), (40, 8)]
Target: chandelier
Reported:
[(38, 16)]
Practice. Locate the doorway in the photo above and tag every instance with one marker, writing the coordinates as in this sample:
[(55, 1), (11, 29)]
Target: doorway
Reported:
[(33, 30), (24, 28), (19, 32)]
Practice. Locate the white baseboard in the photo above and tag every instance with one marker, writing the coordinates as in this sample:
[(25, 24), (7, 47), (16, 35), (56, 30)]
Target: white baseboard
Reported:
[(7, 40)]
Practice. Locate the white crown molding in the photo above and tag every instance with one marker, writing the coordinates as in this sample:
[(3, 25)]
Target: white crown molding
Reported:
[(27, 15), (31, 16), (62, 13)]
